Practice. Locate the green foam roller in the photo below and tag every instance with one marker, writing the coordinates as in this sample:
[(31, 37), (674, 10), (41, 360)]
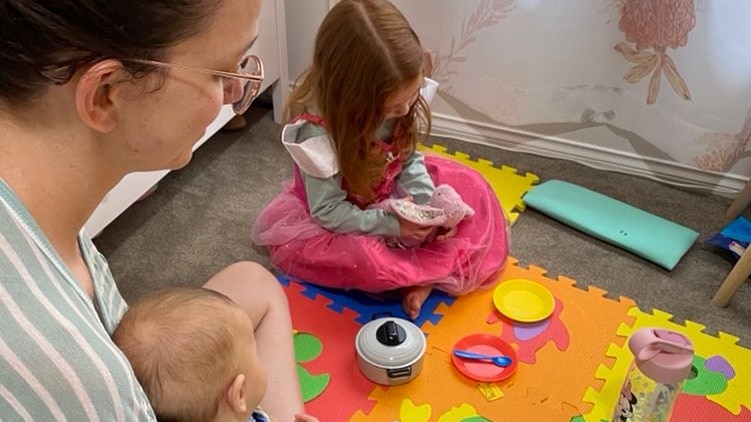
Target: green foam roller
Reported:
[(649, 236)]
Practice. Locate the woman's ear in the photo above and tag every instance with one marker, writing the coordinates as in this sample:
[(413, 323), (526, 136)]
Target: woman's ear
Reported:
[(94, 95), (236, 394)]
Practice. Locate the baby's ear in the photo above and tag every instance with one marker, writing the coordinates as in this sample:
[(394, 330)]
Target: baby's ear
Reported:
[(236, 395)]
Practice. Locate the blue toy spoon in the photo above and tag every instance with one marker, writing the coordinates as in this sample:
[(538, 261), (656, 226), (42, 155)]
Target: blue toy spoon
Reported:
[(500, 360)]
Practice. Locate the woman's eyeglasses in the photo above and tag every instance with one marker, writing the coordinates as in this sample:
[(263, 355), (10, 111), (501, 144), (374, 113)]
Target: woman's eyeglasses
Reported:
[(250, 75)]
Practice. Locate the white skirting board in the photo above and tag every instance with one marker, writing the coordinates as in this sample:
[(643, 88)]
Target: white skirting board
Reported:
[(589, 155)]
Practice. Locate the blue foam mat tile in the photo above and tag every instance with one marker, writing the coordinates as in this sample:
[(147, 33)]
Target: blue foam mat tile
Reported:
[(369, 306)]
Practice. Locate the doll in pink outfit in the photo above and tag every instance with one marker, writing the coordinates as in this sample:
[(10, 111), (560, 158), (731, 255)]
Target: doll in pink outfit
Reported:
[(356, 118)]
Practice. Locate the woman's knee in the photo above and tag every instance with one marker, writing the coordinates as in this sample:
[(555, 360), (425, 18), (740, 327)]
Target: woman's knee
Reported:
[(248, 283)]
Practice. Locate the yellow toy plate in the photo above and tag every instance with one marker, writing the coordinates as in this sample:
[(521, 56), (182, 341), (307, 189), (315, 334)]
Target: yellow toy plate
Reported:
[(523, 300)]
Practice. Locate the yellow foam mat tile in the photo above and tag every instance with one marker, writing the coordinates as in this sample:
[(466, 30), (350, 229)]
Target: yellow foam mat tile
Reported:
[(705, 345)]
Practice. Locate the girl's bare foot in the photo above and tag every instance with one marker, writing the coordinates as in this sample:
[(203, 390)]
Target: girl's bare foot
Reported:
[(414, 298)]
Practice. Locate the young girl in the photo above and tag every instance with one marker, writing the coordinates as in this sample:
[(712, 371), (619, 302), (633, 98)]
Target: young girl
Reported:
[(353, 136)]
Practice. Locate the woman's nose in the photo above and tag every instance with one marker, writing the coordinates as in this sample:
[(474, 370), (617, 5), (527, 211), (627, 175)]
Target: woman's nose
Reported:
[(233, 90)]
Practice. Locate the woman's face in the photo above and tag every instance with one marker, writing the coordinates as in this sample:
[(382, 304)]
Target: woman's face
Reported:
[(160, 128)]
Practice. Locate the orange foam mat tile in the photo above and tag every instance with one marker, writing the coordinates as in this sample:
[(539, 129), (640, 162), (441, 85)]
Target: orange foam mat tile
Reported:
[(550, 389)]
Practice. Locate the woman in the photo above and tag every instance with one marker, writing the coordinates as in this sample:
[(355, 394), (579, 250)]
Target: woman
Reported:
[(89, 92)]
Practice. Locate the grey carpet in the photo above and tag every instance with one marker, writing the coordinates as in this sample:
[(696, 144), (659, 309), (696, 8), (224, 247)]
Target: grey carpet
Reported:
[(198, 221)]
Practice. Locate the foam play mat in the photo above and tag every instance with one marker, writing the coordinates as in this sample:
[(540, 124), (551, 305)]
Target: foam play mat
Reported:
[(570, 352)]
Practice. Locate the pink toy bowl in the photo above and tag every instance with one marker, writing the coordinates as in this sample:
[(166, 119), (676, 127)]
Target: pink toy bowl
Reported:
[(482, 370)]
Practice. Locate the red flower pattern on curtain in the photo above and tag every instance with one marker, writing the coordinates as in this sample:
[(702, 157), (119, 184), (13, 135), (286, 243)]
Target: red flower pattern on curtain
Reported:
[(655, 25)]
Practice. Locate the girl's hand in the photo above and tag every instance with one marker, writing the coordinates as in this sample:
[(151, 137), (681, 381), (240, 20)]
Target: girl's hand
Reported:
[(305, 418), (446, 233), (412, 232)]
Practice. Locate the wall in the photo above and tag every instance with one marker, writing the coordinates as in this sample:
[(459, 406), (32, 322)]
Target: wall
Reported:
[(303, 18), (659, 88)]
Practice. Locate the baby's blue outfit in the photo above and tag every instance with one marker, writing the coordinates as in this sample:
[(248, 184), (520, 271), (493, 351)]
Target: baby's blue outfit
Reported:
[(259, 415)]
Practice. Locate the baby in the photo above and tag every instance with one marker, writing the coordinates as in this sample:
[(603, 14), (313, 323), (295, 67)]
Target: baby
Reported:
[(194, 352)]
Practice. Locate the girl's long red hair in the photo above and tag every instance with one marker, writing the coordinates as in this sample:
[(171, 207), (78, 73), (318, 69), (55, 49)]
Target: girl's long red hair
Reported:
[(365, 51)]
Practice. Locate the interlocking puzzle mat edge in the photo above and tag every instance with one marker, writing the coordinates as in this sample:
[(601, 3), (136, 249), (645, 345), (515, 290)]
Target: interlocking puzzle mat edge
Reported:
[(564, 376)]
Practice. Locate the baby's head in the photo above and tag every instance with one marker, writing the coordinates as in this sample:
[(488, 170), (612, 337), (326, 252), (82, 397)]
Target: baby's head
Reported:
[(194, 352)]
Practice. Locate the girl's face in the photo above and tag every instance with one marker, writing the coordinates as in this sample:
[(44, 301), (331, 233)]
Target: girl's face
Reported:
[(159, 129), (399, 103)]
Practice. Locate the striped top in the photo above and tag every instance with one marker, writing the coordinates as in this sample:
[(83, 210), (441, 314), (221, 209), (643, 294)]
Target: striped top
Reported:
[(57, 361)]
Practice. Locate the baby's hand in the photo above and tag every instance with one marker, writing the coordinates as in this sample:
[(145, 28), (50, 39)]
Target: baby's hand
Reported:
[(305, 418)]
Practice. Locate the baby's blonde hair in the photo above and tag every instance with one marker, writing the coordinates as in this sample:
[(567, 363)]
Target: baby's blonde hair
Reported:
[(365, 51), (182, 345)]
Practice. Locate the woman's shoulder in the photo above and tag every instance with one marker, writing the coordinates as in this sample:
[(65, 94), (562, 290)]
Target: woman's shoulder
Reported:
[(58, 342), (58, 361)]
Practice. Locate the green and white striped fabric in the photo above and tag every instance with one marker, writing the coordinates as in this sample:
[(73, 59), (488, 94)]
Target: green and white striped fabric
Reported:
[(57, 361)]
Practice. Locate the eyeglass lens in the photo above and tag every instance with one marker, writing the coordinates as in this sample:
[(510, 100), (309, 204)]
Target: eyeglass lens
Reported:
[(250, 65)]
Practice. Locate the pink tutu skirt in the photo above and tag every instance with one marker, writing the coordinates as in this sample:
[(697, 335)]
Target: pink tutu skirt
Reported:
[(304, 250)]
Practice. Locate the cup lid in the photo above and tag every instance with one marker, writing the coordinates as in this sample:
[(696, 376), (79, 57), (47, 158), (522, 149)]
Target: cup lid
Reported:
[(390, 343), (663, 355)]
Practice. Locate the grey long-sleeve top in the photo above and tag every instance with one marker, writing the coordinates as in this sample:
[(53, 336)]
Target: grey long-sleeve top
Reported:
[(313, 151)]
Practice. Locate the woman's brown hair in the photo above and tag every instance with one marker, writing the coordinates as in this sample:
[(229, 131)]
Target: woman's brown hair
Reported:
[(365, 51), (43, 42)]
